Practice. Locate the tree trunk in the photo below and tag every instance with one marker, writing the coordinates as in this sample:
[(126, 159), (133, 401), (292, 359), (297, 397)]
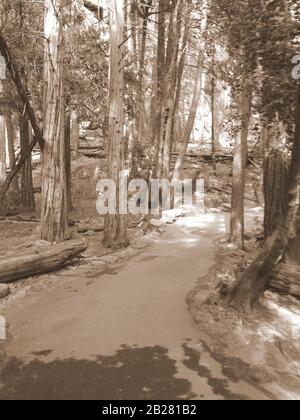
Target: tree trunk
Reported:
[(140, 87), (2, 150), (75, 134), (257, 277), (54, 189), (68, 159), (53, 258), (276, 170), (115, 233), (156, 105), (11, 147), (213, 115), (237, 228), (27, 194), (168, 107)]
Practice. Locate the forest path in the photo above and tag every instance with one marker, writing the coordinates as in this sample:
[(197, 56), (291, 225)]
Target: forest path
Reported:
[(123, 335)]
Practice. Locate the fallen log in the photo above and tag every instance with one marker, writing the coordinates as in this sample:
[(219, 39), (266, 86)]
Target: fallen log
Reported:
[(285, 279), (46, 261)]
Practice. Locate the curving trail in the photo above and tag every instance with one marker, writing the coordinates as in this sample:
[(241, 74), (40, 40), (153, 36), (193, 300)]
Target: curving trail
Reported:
[(123, 335)]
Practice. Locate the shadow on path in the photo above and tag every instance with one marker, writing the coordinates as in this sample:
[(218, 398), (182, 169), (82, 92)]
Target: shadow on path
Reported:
[(132, 373)]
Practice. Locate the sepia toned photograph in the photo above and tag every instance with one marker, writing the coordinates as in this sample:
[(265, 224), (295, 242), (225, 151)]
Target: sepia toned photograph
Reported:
[(149, 203)]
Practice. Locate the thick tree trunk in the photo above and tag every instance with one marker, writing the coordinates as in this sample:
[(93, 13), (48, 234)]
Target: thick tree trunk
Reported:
[(115, 233), (11, 147), (54, 189), (2, 150), (52, 259), (237, 228), (276, 171), (27, 194), (257, 277), (68, 159)]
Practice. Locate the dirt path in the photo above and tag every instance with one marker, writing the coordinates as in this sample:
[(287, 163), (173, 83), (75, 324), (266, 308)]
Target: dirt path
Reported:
[(123, 335)]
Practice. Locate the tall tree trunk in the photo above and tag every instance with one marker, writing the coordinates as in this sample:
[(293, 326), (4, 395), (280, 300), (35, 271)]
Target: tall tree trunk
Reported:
[(213, 113), (276, 170), (257, 277), (140, 87), (54, 189), (11, 146), (180, 71), (168, 104), (75, 134), (68, 158), (192, 115), (237, 225), (27, 195), (2, 150), (115, 233), (157, 100)]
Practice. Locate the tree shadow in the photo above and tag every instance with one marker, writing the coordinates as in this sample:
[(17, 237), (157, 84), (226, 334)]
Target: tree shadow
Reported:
[(132, 373), (218, 386)]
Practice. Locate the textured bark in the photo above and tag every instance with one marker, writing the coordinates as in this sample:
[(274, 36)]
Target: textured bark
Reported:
[(237, 228), (2, 150), (285, 279), (140, 125), (156, 105), (115, 233), (68, 159), (75, 134), (11, 146), (276, 170), (54, 189), (27, 194), (52, 259)]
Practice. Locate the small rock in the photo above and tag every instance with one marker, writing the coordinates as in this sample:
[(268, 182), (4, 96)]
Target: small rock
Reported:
[(4, 290), (110, 259), (232, 247)]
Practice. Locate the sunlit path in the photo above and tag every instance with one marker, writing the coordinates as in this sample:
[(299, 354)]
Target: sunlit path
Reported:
[(124, 335)]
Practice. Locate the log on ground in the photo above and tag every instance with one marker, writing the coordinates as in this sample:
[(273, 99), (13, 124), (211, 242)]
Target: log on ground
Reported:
[(46, 261)]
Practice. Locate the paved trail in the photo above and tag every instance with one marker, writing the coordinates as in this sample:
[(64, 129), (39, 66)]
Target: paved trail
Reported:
[(123, 335)]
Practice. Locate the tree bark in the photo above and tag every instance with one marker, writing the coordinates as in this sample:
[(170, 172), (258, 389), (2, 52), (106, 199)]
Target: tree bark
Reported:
[(27, 194), (115, 233), (68, 159), (52, 259), (276, 170), (11, 146), (237, 225), (2, 150), (75, 134), (54, 189)]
